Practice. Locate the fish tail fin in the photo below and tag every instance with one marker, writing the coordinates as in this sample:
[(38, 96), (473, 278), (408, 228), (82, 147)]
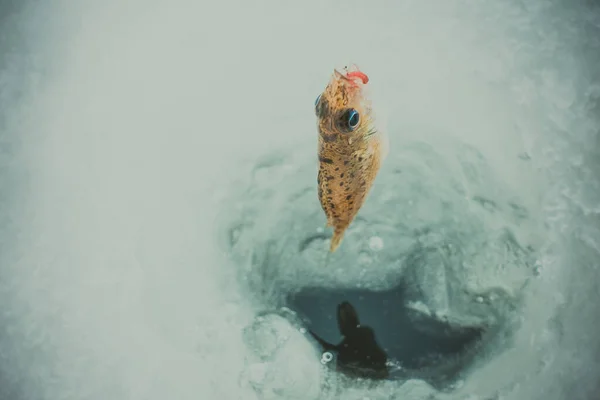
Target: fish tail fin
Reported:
[(336, 240)]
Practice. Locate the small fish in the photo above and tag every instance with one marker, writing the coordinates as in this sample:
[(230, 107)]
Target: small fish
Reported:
[(350, 151)]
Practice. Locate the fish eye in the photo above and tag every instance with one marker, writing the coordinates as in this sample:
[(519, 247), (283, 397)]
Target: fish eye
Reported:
[(353, 119), (349, 120)]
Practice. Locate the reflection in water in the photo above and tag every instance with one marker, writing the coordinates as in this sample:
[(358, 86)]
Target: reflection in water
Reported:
[(358, 354)]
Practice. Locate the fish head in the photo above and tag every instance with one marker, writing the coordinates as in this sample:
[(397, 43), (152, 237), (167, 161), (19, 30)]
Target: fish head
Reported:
[(343, 109)]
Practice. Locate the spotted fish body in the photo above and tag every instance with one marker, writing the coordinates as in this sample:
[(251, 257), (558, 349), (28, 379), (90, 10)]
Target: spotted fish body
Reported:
[(350, 151)]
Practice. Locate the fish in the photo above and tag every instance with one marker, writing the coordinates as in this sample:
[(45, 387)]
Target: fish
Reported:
[(350, 149), (358, 354)]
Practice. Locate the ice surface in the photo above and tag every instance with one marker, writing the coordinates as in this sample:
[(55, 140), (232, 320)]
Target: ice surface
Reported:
[(157, 162)]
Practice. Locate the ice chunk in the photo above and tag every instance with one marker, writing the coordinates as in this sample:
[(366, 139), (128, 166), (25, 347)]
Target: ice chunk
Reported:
[(289, 365)]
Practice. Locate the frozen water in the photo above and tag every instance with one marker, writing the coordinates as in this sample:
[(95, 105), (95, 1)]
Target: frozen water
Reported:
[(157, 162)]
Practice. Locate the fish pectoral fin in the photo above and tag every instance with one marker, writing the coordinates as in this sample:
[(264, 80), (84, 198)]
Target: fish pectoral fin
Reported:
[(384, 147)]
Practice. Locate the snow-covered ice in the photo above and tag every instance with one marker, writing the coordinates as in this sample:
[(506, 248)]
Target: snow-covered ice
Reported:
[(157, 162)]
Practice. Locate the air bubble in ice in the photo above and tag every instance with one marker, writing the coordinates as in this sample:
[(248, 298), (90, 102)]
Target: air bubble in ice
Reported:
[(327, 357), (376, 243)]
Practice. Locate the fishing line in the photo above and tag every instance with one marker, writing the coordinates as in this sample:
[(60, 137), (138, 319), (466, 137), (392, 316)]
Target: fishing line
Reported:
[(327, 257)]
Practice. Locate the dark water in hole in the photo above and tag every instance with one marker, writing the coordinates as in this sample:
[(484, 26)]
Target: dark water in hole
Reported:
[(413, 343)]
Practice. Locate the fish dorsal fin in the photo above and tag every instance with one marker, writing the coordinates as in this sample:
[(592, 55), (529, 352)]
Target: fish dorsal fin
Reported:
[(347, 318)]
